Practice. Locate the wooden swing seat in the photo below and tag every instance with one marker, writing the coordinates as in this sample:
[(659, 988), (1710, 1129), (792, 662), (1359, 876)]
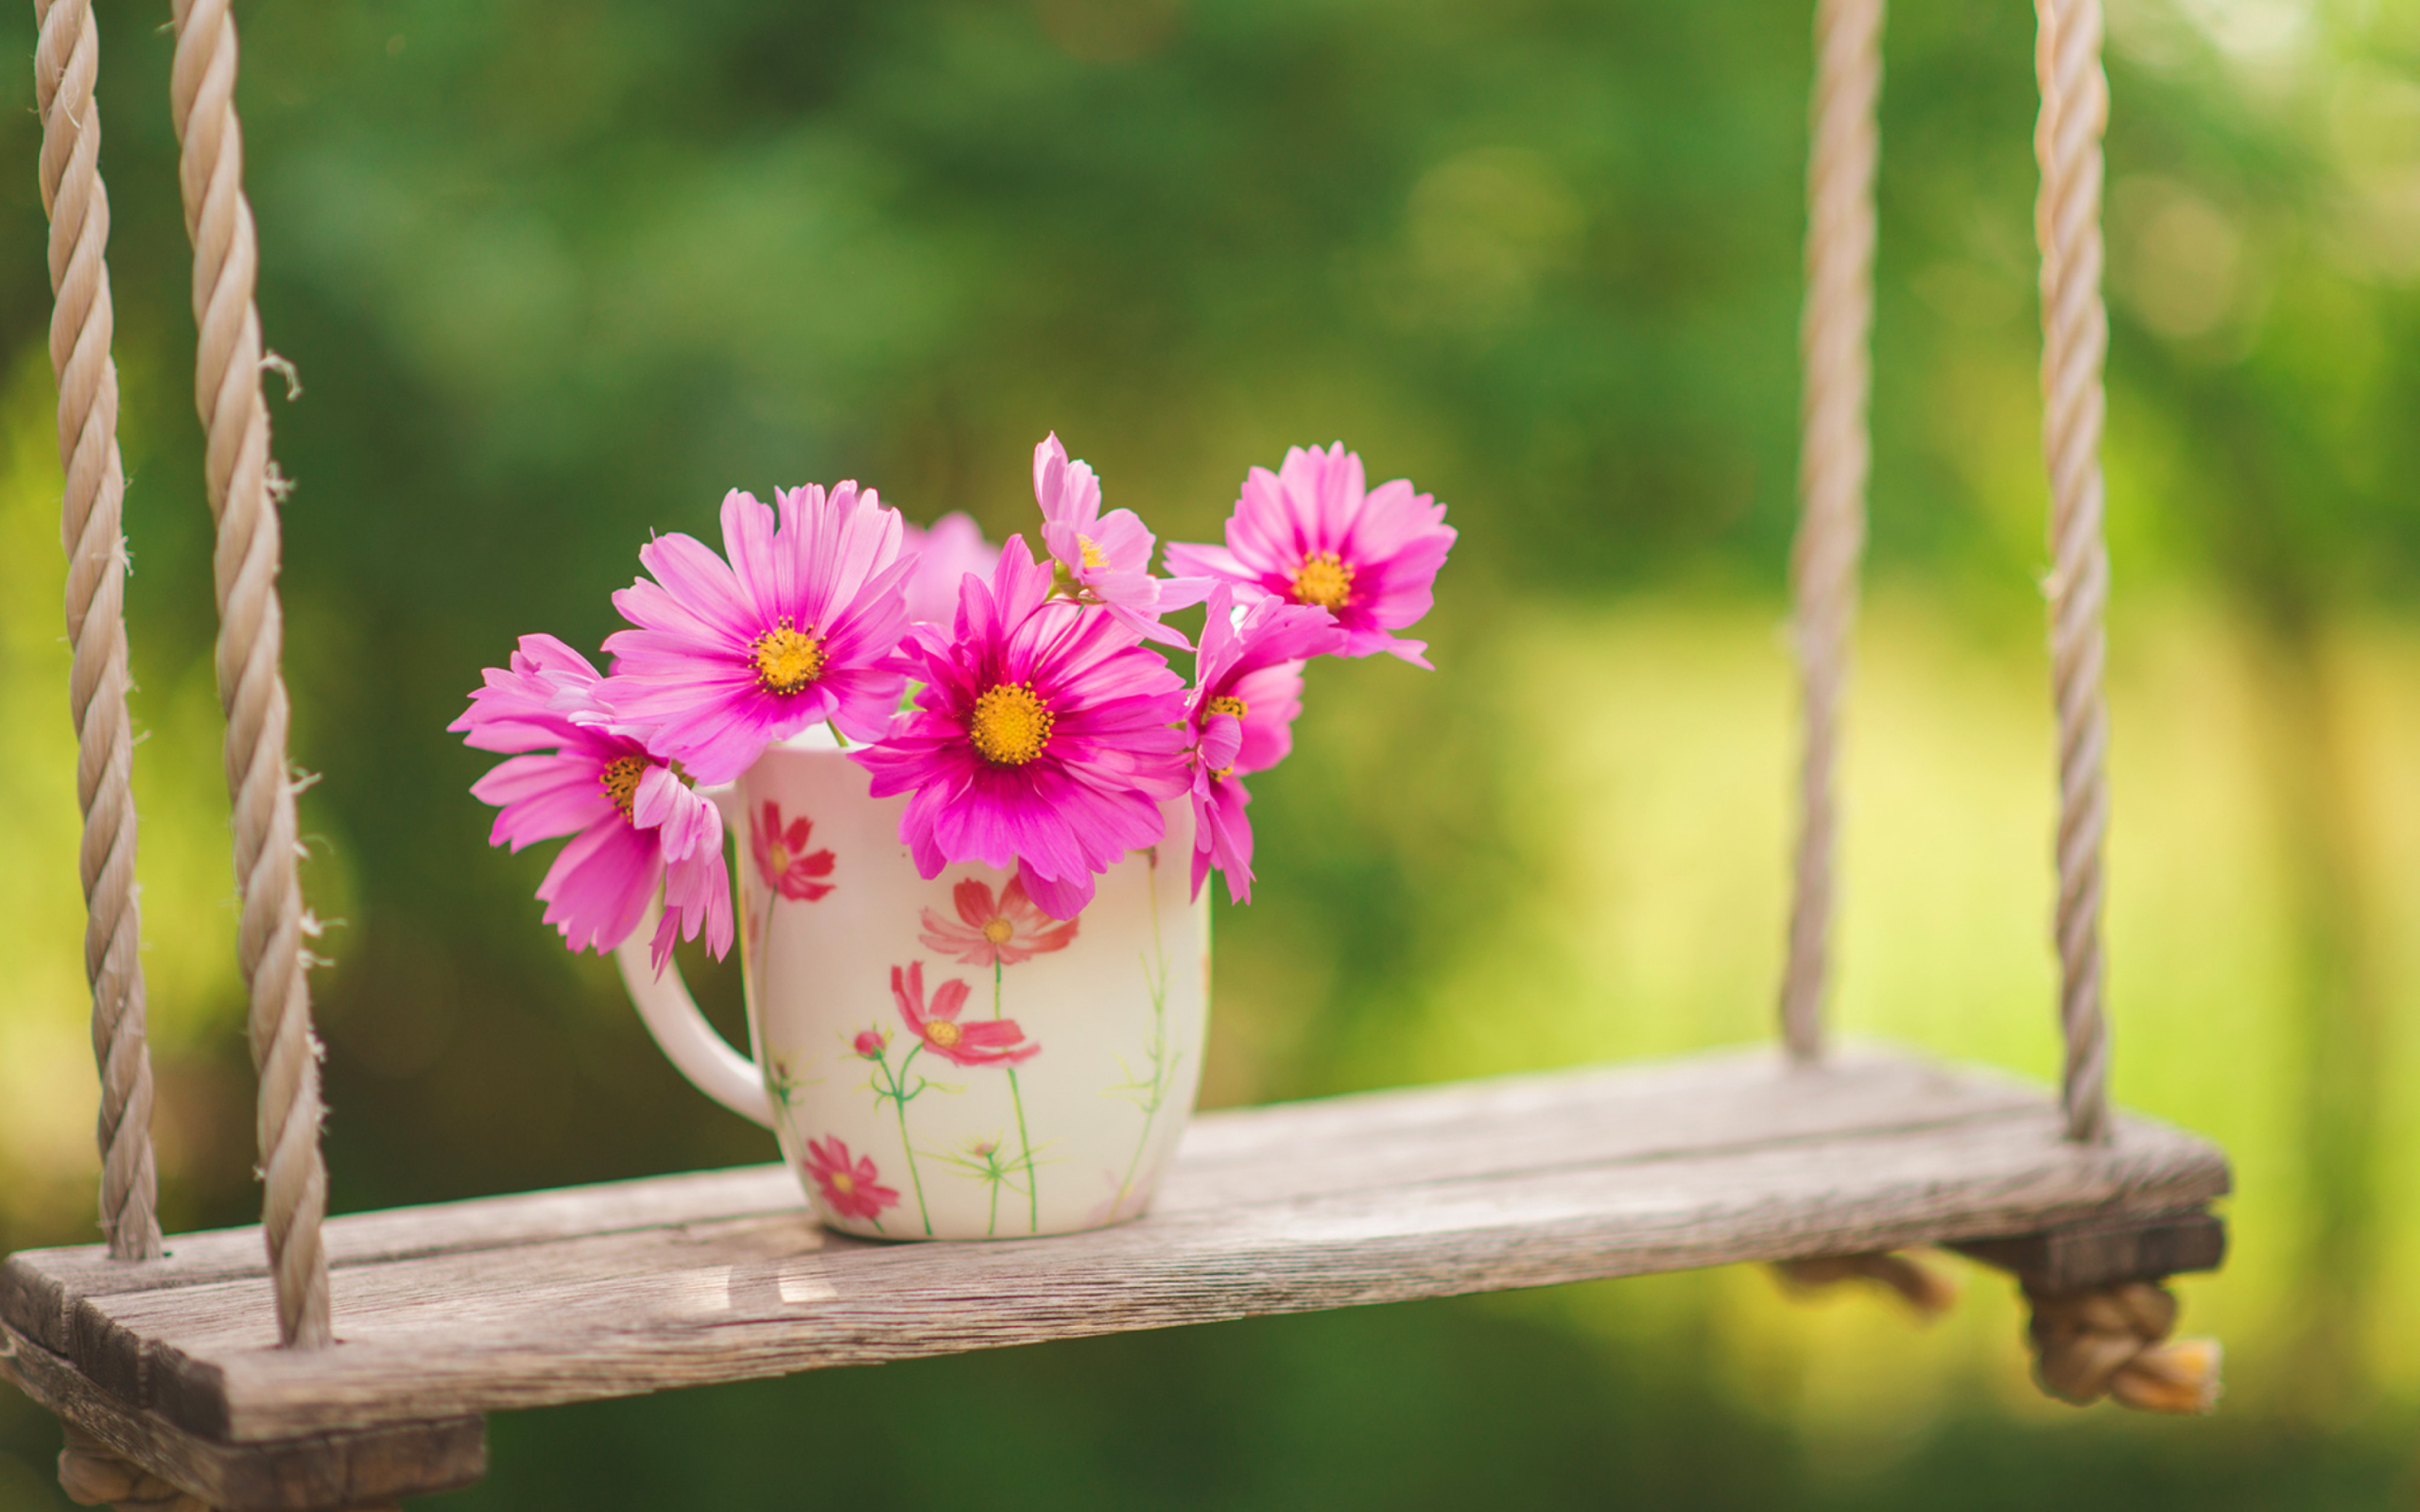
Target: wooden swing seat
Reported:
[(452, 1310)]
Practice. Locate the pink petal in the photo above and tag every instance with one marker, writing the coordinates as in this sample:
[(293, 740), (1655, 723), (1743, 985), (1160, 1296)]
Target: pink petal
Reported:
[(949, 998), (975, 906), (762, 570), (598, 886), (1059, 899), (697, 590), (1206, 561)]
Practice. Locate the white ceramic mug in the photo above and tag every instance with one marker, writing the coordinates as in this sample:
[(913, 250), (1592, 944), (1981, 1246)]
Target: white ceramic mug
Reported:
[(940, 1059)]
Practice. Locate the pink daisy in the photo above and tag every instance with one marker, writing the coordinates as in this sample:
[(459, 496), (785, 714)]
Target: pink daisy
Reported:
[(1248, 687), (635, 821), (782, 857), (948, 552), (1104, 559), (984, 1043), (795, 629), (849, 1184), (1310, 533), (995, 934), (1044, 738)]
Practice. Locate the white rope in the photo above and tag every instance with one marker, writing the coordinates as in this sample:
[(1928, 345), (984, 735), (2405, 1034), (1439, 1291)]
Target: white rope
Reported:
[(1833, 462), (66, 58), (251, 639), (2075, 342)]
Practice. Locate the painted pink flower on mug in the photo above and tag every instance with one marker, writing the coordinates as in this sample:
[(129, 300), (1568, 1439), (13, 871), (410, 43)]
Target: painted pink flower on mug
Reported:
[(782, 860), (984, 1043), (994, 931), (850, 1185)]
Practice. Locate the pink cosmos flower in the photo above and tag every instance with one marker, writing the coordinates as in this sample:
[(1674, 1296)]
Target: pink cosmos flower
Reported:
[(795, 629), (635, 821), (1104, 559), (995, 934), (1044, 738), (948, 552), (870, 1044), (984, 1043), (1310, 533), (849, 1184), (1248, 687), (782, 857)]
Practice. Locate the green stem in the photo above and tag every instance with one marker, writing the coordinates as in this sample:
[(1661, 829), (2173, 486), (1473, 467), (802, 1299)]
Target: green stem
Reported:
[(836, 733), (1159, 1043), (898, 1095), (1024, 1142), (900, 1105)]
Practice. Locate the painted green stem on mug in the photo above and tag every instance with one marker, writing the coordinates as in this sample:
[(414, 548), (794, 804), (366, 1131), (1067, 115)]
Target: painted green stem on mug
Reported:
[(1024, 1142), (893, 1087), (1149, 1095)]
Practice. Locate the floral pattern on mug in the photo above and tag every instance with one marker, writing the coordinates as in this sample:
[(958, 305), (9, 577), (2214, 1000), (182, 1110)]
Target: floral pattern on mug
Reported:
[(984, 1043), (850, 1184), (989, 931), (783, 859)]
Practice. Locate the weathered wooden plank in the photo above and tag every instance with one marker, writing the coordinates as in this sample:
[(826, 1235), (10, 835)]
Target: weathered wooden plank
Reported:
[(322, 1472), (628, 1314), (1721, 1100), (641, 1286), (1593, 1112), (29, 1297), (2088, 1255), (1732, 1100), (1522, 1121)]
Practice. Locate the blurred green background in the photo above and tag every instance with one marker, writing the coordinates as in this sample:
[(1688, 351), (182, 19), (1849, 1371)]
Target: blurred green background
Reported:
[(556, 273)]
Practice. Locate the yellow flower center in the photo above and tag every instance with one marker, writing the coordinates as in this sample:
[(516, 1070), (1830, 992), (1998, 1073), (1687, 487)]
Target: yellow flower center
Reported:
[(997, 929), (1011, 725), (778, 858), (942, 1034), (843, 1183), (1093, 555), (621, 779), (1229, 706), (787, 660), (1323, 579)]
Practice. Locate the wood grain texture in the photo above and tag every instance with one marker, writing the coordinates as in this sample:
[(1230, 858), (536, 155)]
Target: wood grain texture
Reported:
[(2061, 1261), (1523, 1181), (325, 1473)]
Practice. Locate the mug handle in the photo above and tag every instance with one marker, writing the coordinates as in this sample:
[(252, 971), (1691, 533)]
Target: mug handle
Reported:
[(671, 1015)]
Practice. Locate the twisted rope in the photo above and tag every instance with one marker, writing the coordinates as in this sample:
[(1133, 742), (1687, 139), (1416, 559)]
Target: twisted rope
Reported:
[(2113, 1341), (250, 637), (1833, 460), (2075, 341), (1927, 1291), (66, 57)]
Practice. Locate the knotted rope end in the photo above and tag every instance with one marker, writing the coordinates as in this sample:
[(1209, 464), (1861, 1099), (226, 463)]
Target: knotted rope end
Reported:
[(2112, 1341)]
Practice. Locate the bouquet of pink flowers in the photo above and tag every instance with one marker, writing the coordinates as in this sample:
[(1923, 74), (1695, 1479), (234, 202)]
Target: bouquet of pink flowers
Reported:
[(1023, 704)]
